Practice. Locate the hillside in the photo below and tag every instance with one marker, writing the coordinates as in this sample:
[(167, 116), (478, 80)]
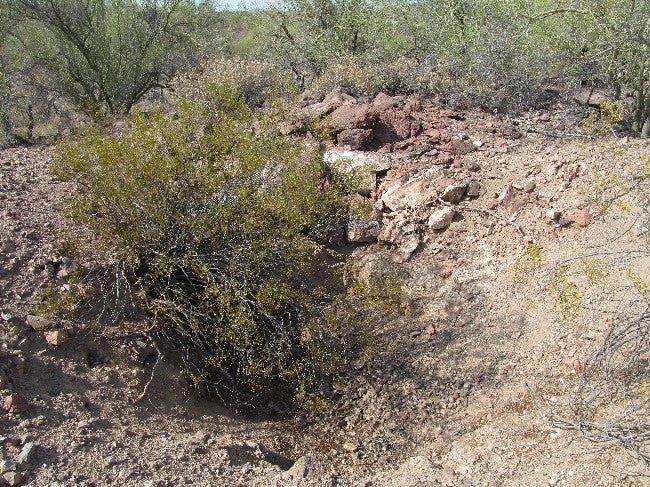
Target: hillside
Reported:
[(469, 378)]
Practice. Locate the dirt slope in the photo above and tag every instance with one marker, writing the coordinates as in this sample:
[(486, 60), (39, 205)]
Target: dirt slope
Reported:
[(466, 379)]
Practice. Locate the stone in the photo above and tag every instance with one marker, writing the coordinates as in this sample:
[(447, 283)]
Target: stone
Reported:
[(349, 446), (553, 215), (411, 194), (39, 323), (56, 337), (506, 197), (356, 139), (16, 403), (463, 147), (363, 165), (3, 379), (307, 467), (454, 192), (13, 479), (442, 182), (200, 437), (395, 125), (362, 230), (331, 102), (353, 117), (530, 186), (383, 102), (574, 364), (390, 233), (474, 189), (472, 165), (591, 97), (581, 217), (408, 245), (441, 218), (7, 466), (27, 453)]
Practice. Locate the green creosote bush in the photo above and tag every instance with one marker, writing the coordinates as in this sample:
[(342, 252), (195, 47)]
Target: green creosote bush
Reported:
[(214, 216)]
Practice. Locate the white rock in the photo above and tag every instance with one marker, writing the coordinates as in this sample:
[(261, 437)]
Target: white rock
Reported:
[(412, 194), (441, 218)]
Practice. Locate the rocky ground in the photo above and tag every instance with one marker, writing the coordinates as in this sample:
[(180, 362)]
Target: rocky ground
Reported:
[(467, 377)]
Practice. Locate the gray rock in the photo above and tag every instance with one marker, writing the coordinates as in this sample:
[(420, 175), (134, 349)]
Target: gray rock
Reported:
[(441, 218), (7, 466), (361, 230), (27, 453), (38, 323), (472, 166), (474, 189), (13, 479), (363, 166), (454, 192), (307, 467)]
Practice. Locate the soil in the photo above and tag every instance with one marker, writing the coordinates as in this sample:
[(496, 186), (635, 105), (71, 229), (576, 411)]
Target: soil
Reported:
[(466, 381)]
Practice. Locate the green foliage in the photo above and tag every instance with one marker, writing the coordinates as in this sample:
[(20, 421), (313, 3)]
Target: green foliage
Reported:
[(530, 260), (106, 54), (567, 297), (254, 80), (360, 77), (215, 215)]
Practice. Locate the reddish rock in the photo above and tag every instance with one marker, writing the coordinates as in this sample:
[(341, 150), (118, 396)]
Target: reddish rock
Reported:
[(574, 364), (442, 182), (581, 217), (396, 125), (15, 403), (384, 102), (56, 337), (462, 147), (355, 138), (445, 159), (353, 117), (390, 233)]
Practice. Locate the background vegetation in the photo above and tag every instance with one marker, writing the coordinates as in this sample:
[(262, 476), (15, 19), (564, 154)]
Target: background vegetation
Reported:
[(104, 56)]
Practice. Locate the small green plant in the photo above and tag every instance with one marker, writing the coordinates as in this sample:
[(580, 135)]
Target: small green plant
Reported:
[(594, 270), (530, 260), (567, 297), (601, 121)]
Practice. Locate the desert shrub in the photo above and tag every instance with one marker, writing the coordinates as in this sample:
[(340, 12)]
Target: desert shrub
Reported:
[(212, 215), (255, 81), (359, 78)]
